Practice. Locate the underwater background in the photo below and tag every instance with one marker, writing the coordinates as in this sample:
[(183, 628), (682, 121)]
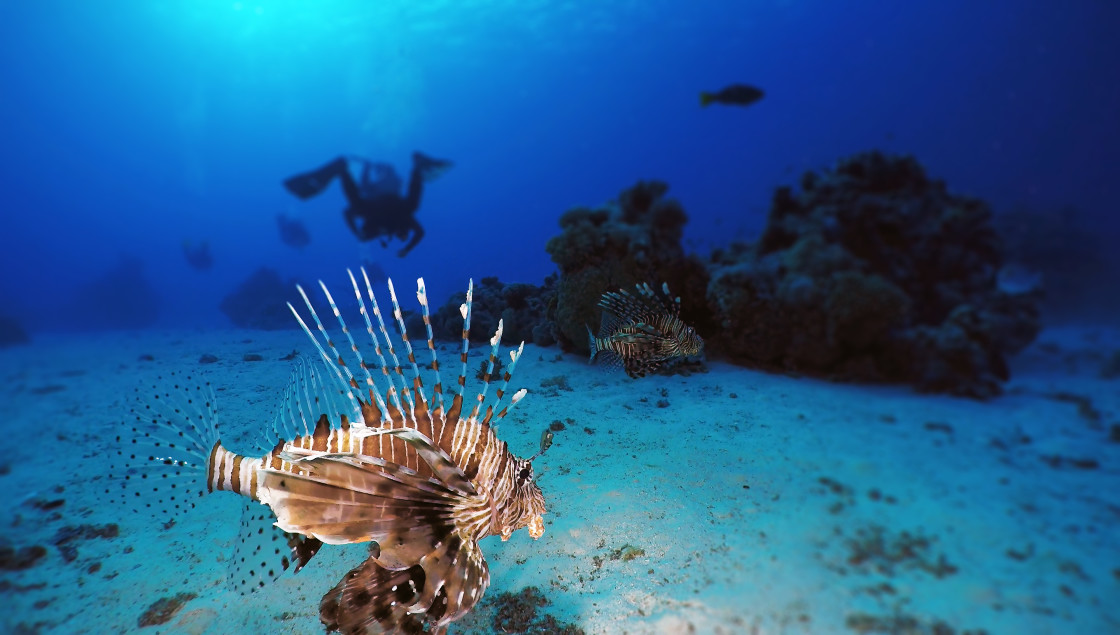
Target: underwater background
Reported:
[(942, 257)]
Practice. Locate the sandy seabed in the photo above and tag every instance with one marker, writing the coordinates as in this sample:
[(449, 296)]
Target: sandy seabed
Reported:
[(731, 501)]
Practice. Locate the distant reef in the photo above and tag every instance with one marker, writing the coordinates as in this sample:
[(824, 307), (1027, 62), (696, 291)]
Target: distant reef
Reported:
[(11, 332), (870, 271), (874, 271), (120, 298), (260, 302)]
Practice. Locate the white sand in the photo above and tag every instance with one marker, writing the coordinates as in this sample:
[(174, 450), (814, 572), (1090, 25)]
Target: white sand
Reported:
[(721, 491)]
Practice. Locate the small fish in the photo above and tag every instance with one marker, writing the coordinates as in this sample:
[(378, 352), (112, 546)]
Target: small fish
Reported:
[(642, 332), (1017, 279), (733, 95), (348, 461)]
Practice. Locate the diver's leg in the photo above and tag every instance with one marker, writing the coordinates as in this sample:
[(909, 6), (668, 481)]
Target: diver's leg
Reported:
[(415, 190), (309, 184)]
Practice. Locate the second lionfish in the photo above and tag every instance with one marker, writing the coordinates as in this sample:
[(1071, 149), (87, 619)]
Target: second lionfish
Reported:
[(642, 332), (346, 461)]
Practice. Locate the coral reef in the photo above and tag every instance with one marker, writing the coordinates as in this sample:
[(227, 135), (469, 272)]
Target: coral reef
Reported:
[(11, 332), (521, 307), (121, 298), (874, 272), (261, 302), (635, 239)]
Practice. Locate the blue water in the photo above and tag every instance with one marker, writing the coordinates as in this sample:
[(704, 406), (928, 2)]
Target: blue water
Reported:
[(130, 127)]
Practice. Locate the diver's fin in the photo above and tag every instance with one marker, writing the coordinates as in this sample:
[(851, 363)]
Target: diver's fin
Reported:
[(706, 99), (311, 183), (430, 168), (263, 552)]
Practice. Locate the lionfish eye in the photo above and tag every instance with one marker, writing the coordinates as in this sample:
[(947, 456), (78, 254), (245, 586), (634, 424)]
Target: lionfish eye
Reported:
[(523, 474)]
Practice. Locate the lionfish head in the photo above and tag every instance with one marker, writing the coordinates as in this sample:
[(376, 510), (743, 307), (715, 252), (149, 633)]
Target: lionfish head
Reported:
[(525, 504), (690, 342)]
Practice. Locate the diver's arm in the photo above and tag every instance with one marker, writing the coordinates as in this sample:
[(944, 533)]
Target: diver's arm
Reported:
[(417, 234)]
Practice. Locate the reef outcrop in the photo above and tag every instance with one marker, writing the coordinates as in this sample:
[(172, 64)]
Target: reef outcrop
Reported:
[(874, 271), (260, 302), (632, 240), (523, 309)]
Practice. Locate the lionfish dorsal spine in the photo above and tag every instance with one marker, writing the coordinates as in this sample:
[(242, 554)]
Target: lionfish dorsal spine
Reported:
[(494, 341), (437, 389), (417, 382), (514, 356), (465, 311), (338, 368), (376, 344), (392, 392), (349, 336)]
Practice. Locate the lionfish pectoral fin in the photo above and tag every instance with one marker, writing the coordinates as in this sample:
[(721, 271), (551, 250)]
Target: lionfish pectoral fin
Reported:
[(343, 500), (263, 551), (372, 596), (456, 577)]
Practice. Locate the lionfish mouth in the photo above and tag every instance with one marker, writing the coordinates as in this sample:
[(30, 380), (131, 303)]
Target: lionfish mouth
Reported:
[(536, 527)]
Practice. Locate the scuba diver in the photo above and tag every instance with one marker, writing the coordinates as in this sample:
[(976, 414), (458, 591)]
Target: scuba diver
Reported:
[(376, 208)]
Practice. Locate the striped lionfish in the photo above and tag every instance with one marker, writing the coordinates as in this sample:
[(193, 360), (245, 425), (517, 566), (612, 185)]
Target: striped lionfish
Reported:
[(642, 332), (349, 462)]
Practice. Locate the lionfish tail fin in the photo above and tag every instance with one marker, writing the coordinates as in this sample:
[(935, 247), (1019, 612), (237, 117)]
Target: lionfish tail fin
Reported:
[(168, 456), (264, 551), (591, 344)]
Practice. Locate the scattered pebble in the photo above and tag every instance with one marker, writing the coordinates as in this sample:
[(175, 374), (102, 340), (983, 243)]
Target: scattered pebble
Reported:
[(207, 359)]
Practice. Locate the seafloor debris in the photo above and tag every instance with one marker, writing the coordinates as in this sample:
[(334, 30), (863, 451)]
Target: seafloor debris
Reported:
[(162, 610), (17, 559), (902, 624), (876, 549), (70, 534), (515, 613)]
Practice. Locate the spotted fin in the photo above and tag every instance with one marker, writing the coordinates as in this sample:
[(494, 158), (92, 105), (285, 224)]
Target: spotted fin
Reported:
[(373, 597), (263, 552), (163, 456), (425, 597)]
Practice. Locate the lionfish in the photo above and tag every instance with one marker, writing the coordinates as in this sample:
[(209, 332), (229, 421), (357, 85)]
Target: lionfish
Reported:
[(346, 462), (642, 332)]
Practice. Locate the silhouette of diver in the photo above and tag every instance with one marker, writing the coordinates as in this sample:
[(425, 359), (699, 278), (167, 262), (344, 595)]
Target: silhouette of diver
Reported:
[(198, 257), (376, 208)]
